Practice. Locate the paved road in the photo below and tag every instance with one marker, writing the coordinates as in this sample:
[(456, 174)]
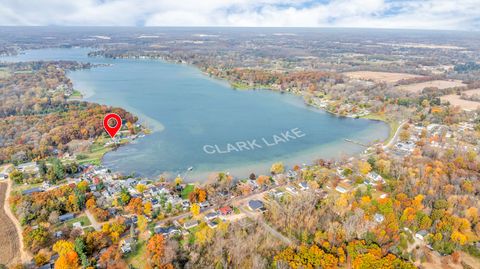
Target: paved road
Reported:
[(395, 137)]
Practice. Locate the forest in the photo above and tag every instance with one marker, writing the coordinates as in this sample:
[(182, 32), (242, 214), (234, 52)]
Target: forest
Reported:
[(38, 120)]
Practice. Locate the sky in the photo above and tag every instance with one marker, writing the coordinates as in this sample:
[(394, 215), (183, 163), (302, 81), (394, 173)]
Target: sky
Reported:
[(398, 14)]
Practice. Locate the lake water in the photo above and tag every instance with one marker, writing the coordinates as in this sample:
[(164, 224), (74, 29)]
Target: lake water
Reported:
[(203, 123)]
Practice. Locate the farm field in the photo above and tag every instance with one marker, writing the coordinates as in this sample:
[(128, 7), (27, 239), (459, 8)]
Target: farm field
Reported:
[(8, 234), (380, 76), (455, 100), (440, 84)]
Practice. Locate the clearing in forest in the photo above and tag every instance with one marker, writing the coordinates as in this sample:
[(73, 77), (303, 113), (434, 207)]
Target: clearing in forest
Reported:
[(380, 76), (455, 100), (440, 84)]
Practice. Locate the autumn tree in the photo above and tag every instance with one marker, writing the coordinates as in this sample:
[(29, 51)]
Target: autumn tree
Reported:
[(156, 252), (195, 209), (68, 258), (277, 168)]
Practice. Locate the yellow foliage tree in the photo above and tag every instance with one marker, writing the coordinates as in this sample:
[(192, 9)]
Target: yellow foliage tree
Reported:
[(364, 167), (277, 168), (195, 209)]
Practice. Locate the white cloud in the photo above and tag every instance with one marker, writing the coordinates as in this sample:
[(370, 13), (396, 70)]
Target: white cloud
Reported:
[(424, 14)]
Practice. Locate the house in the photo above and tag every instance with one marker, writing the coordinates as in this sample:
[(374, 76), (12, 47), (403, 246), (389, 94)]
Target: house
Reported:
[(30, 167), (292, 174), (226, 210), (277, 194), (166, 231), (343, 187), (292, 190), (379, 218), (204, 204), (255, 205), (375, 177), (66, 217), (185, 203), (303, 186), (31, 191), (421, 234), (190, 224), (212, 224), (154, 191), (77, 225), (211, 216), (127, 245)]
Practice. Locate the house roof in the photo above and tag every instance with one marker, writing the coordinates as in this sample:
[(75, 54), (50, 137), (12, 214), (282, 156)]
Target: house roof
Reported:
[(66, 216), (255, 204), (225, 209), (191, 223)]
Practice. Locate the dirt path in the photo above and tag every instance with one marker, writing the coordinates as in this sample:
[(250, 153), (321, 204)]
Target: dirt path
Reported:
[(267, 227), (11, 244), (9, 236), (94, 223)]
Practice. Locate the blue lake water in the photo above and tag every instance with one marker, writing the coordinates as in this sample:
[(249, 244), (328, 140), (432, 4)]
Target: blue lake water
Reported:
[(204, 123)]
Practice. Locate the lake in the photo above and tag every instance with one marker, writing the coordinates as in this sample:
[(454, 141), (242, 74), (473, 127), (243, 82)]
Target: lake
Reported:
[(203, 123)]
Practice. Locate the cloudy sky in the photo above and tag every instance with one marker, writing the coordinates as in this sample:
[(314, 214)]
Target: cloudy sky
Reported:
[(418, 14)]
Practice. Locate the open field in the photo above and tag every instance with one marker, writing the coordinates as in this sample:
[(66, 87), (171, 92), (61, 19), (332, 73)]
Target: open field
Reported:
[(440, 84), (380, 76), (455, 100), (9, 239)]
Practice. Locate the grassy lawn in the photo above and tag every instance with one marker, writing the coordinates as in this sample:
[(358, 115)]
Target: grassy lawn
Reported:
[(4, 73), (136, 258), (393, 124), (82, 219), (76, 94), (95, 153), (188, 189)]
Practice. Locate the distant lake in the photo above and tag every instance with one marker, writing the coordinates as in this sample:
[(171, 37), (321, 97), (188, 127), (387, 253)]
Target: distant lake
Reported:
[(203, 123)]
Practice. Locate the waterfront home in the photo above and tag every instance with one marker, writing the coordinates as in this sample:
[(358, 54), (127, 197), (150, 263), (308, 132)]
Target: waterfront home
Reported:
[(226, 210), (211, 216), (66, 217), (255, 205), (190, 224), (154, 191)]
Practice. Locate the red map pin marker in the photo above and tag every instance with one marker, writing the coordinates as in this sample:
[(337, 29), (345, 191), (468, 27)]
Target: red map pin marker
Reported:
[(112, 131)]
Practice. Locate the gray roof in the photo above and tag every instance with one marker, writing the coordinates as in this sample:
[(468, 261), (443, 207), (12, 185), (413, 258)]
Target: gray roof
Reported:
[(67, 216), (255, 204), (33, 190)]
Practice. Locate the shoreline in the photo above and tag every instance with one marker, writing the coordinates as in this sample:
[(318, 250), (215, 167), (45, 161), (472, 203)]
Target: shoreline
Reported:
[(241, 169), (142, 118)]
